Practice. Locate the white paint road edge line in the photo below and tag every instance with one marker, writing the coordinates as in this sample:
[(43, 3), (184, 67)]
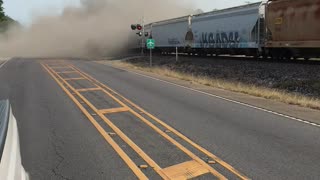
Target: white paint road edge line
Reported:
[(4, 63), (223, 98)]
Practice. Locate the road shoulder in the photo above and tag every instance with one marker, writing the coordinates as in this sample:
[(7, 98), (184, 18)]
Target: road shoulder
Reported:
[(293, 112)]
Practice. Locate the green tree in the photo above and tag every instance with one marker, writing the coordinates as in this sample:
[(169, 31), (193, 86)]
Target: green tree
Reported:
[(2, 15), (6, 21)]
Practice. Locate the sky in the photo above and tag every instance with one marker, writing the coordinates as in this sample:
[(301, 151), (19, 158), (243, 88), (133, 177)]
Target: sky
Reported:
[(25, 10)]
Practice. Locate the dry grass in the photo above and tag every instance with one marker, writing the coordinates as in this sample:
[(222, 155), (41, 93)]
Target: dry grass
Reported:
[(249, 89)]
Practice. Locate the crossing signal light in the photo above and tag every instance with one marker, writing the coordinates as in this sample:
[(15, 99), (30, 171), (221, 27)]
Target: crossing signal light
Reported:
[(133, 27), (139, 33), (146, 34), (139, 27), (136, 27)]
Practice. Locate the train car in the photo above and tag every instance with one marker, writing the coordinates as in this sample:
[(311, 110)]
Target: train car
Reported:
[(170, 33), (293, 28), (236, 30), (281, 29)]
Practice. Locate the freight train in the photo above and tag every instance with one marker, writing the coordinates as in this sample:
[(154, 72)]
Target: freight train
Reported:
[(281, 29)]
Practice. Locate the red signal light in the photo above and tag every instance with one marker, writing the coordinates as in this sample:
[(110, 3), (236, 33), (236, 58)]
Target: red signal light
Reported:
[(139, 27)]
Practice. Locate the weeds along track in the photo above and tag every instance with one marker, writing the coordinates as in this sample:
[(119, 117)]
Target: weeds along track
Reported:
[(288, 77)]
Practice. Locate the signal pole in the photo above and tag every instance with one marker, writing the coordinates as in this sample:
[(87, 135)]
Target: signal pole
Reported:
[(150, 57), (142, 39), (141, 33)]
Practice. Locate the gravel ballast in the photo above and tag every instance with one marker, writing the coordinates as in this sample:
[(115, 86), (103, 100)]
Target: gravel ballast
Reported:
[(302, 79)]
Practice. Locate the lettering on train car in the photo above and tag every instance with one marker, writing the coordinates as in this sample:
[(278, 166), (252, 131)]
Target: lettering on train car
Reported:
[(220, 40)]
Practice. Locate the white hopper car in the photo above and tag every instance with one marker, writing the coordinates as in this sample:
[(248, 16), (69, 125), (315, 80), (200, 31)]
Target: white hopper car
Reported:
[(236, 30)]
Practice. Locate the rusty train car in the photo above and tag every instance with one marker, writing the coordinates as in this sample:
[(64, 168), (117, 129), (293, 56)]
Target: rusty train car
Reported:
[(274, 28), (293, 28)]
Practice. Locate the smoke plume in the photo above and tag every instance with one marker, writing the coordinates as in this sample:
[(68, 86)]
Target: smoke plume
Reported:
[(96, 28)]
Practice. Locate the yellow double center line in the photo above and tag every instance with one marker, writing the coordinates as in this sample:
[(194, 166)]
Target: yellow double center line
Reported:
[(186, 170)]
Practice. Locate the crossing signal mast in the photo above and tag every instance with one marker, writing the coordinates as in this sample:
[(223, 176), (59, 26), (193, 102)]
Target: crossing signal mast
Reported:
[(141, 33), (140, 28)]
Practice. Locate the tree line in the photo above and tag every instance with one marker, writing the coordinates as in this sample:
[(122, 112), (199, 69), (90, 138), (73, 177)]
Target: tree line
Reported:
[(5, 21), (2, 15)]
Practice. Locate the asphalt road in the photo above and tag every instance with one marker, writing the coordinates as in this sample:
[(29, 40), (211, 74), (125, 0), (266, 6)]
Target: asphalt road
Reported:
[(2, 62), (58, 142)]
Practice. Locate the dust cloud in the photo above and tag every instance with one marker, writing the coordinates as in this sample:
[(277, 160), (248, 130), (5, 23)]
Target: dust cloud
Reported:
[(95, 28)]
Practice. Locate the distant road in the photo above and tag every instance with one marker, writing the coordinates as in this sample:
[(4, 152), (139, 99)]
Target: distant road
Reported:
[(59, 142)]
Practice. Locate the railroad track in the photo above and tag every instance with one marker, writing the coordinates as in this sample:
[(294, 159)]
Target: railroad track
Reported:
[(248, 58)]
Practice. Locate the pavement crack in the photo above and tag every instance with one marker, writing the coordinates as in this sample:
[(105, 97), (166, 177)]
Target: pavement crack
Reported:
[(57, 145)]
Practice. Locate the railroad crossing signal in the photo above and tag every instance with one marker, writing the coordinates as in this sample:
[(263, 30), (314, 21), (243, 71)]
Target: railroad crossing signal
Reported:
[(133, 27), (136, 27), (139, 27), (139, 33), (151, 43)]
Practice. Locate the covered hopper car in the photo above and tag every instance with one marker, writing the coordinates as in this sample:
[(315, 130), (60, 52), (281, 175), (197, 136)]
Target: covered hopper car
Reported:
[(293, 28), (274, 28)]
